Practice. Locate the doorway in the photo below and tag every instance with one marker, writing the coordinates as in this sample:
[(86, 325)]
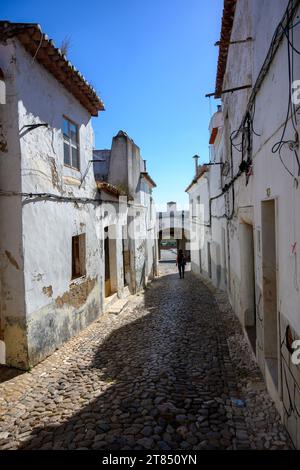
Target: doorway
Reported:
[(110, 260), (208, 259), (126, 256), (224, 266), (248, 303), (269, 279), (200, 262), (107, 263)]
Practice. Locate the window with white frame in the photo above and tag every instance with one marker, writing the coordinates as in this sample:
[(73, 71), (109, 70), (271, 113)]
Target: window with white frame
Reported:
[(71, 144)]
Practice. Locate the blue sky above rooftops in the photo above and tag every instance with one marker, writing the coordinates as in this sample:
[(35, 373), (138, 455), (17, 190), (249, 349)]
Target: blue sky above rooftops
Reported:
[(151, 62)]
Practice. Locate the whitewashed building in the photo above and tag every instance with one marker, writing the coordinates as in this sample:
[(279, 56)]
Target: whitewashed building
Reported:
[(123, 169), (59, 235), (50, 251), (258, 62), (207, 209)]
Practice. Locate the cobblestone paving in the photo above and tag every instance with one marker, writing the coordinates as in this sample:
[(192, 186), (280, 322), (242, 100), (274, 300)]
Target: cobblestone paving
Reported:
[(172, 371)]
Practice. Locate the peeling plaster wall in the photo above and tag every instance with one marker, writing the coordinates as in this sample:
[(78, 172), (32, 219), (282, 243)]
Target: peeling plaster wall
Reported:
[(126, 165), (114, 216), (13, 340), (56, 307), (42, 306)]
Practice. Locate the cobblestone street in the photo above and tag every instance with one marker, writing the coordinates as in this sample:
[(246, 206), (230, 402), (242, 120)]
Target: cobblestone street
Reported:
[(171, 371)]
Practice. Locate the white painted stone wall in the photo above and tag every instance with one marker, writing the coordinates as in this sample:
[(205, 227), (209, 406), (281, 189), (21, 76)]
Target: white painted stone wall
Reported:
[(12, 311), (42, 306), (208, 234), (55, 307), (125, 170), (199, 234), (270, 181)]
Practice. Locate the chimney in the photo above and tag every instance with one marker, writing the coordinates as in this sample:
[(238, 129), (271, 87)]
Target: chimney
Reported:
[(171, 206), (145, 165), (196, 157)]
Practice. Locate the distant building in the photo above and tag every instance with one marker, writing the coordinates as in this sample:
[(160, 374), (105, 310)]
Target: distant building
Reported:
[(173, 229), (136, 255)]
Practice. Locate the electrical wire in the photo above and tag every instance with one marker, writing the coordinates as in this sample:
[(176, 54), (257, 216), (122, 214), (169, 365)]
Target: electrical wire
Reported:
[(295, 24), (50, 196), (247, 127), (292, 402), (291, 109), (286, 32)]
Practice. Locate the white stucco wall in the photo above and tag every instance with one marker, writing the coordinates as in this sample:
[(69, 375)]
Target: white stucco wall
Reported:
[(208, 228), (42, 306), (126, 165), (269, 181), (56, 307), (12, 312)]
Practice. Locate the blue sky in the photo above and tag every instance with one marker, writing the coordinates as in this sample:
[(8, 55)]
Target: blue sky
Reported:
[(151, 61)]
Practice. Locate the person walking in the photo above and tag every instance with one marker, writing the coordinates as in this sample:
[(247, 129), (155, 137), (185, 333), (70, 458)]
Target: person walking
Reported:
[(181, 262)]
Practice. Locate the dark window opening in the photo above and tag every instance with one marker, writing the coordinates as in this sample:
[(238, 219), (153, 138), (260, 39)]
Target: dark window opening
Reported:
[(78, 256)]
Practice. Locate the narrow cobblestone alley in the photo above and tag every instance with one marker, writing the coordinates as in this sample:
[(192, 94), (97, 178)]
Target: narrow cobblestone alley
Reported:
[(172, 371)]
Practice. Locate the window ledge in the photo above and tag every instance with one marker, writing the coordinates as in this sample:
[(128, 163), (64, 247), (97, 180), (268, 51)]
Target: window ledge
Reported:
[(70, 180), (72, 168)]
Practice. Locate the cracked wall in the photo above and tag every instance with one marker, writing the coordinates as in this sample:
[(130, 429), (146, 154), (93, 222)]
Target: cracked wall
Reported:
[(13, 339), (42, 306)]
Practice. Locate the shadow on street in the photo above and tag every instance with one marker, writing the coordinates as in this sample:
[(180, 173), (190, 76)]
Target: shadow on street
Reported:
[(163, 370)]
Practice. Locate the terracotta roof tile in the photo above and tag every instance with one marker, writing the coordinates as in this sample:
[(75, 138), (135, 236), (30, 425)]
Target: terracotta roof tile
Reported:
[(227, 22), (147, 177), (107, 187), (203, 169)]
